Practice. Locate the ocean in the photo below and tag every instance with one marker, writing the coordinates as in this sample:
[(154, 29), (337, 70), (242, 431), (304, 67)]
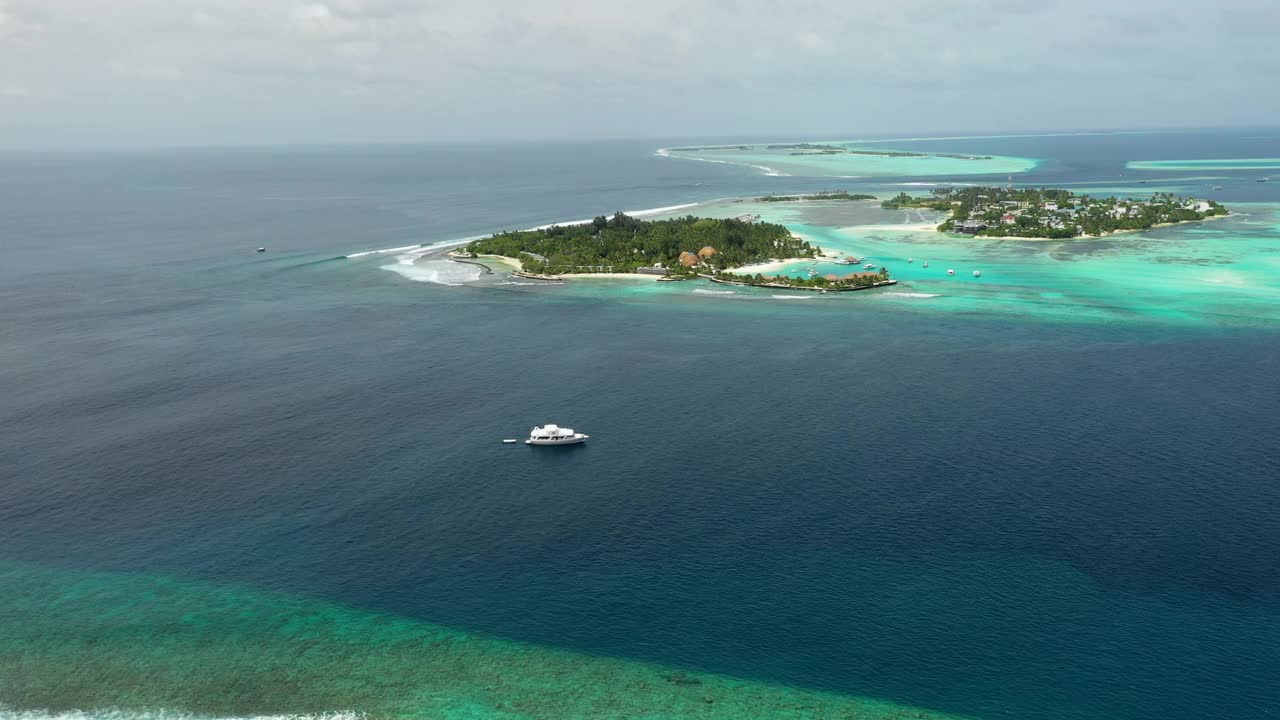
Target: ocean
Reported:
[(240, 484)]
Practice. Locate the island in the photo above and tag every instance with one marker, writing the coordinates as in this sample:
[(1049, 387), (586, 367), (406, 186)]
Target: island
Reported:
[(821, 283), (679, 248), (821, 149), (824, 195), (1053, 213)]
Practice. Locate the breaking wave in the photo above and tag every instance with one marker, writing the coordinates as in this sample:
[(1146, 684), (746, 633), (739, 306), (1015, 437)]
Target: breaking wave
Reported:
[(440, 272)]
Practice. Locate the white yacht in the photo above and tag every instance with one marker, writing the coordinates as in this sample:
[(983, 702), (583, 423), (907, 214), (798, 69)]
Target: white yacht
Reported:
[(550, 434), (977, 273), (950, 271)]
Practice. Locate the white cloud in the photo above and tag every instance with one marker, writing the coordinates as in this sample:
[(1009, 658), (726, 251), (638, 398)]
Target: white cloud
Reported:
[(145, 72), (436, 68), (813, 42)]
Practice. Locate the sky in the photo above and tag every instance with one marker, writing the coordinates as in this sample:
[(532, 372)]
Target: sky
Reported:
[(247, 72)]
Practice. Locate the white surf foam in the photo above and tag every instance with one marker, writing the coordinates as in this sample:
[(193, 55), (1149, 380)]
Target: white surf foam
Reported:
[(632, 213), (771, 172), (421, 249), (791, 297), (440, 272), (701, 291), (905, 295)]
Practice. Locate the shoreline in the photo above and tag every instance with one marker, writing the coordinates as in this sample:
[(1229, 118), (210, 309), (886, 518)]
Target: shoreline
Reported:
[(781, 286), (780, 264)]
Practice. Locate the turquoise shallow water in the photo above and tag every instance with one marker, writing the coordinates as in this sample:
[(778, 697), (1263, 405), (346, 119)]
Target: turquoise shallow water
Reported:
[(1220, 272), (72, 640), (1214, 164), (240, 483), (785, 162)]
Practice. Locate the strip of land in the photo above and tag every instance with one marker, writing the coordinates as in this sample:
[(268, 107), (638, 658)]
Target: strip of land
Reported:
[(1053, 214)]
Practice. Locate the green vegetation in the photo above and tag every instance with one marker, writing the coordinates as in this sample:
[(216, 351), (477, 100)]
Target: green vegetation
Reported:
[(852, 281), (1052, 213), (827, 195), (623, 244)]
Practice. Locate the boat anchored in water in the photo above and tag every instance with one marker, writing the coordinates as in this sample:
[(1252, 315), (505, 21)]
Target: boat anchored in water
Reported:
[(551, 434), (977, 273), (950, 271)]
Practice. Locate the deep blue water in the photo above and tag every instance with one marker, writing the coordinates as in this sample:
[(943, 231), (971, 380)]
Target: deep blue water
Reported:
[(994, 517)]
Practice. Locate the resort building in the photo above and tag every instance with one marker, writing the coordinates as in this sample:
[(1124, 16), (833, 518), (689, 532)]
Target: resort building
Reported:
[(970, 226)]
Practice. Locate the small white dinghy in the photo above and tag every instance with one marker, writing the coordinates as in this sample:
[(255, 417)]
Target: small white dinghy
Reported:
[(551, 434), (950, 271), (977, 273)]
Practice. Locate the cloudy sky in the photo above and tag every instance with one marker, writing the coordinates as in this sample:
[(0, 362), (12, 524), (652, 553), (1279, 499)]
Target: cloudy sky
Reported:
[(212, 72)]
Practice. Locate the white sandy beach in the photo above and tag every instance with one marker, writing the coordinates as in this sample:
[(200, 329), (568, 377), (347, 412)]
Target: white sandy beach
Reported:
[(610, 276)]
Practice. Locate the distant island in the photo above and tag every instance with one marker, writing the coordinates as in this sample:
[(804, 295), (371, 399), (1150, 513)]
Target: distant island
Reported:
[(678, 248), (828, 149), (1052, 213), (826, 195), (820, 149)]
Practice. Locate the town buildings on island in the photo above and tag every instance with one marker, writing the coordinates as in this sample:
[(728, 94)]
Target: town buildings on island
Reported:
[(1053, 213)]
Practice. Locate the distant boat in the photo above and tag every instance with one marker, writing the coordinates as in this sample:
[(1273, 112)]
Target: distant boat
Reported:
[(813, 272), (551, 434), (977, 273), (926, 264), (1266, 179), (868, 266), (1217, 187), (848, 260), (950, 271), (262, 249), (508, 441)]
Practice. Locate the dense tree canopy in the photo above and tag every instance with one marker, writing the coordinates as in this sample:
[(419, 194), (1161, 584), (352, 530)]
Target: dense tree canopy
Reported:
[(1054, 213), (622, 244)]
